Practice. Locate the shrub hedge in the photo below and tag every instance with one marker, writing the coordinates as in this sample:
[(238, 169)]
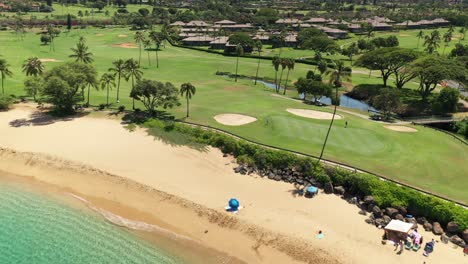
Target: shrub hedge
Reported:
[(385, 193), (5, 102)]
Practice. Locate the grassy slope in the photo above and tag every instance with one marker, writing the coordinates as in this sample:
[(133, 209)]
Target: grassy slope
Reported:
[(428, 159)]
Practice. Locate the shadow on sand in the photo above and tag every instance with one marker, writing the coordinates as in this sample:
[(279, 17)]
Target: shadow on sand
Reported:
[(40, 118)]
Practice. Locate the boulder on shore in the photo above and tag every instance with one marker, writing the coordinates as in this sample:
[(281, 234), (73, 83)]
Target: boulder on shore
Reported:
[(457, 241), (376, 211), (444, 238), (465, 235), (421, 220), (369, 199), (387, 219), (427, 226), (340, 190), (437, 228), (390, 211), (328, 187), (379, 222), (452, 227), (399, 217)]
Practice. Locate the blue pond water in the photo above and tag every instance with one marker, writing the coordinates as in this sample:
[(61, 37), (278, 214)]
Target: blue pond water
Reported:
[(345, 101)]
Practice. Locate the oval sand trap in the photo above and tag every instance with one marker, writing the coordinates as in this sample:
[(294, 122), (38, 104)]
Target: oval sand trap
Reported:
[(49, 60), (234, 119), (312, 114), (401, 128)]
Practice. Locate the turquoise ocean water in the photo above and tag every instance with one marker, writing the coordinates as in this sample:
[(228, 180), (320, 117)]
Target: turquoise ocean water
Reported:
[(37, 228)]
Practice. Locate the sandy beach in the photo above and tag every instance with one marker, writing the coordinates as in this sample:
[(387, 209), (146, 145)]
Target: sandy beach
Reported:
[(184, 190)]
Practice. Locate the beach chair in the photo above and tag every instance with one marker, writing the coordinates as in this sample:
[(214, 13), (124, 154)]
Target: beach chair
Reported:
[(408, 245), (416, 247)]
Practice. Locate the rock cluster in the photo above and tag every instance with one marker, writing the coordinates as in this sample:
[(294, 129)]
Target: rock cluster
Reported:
[(377, 216)]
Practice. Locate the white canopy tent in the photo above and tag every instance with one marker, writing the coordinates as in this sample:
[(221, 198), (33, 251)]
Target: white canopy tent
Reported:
[(398, 230)]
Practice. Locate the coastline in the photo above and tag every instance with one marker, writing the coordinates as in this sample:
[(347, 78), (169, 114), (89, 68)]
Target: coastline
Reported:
[(184, 190)]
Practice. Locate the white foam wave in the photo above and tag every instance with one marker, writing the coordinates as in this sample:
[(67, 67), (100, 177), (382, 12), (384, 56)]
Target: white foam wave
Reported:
[(131, 224)]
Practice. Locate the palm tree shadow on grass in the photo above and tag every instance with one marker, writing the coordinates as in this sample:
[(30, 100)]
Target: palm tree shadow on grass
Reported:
[(40, 118), (163, 131)]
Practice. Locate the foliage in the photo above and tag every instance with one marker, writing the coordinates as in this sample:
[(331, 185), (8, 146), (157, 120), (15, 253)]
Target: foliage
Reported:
[(242, 39), (62, 84), (33, 86), (81, 53), (446, 101), (387, 101), (312, 87), (459, 50), (338, 74), (5, 102), (154, 94), (462, 127)]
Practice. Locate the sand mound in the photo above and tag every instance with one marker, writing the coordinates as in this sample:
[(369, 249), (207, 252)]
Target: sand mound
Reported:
[(122, 36), (234, 119), (127, 45), (312, 114), (401, 128), (49, 60)]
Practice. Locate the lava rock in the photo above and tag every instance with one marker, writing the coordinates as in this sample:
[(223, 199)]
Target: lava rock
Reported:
[(387, 219), (392, 212), (379, 222), (399, 217), (402, 210), (457, 241), (339, 190), (452, 227), (421, 220), (376, 211), (444, 238), (362, 212), (369, 199), (328, 188), (465, 235), (427, 226), (370, 221), (437, 229)]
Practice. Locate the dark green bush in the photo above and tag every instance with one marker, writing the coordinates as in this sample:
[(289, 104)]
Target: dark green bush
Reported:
[(121, 108), (5, 102)]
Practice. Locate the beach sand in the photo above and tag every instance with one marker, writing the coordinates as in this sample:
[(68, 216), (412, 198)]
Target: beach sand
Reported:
[(184, 190)]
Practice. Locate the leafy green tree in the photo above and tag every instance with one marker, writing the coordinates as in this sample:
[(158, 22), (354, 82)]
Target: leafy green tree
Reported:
[(369, 30), (107, 82), (387, 101), (433, 69), (243, 39), (188, 90), (322, 67), (33, 86), (81, 53), (139, 39), (350, 51), (290, 63), (52, 33), (258, 48), (62, 84), (459, 50), (132, 71), (4, 72), (446, 101), (119, 70), (239, 52), (338, 74), (33, 66), (317, 89), (431, 42), (154, 94)]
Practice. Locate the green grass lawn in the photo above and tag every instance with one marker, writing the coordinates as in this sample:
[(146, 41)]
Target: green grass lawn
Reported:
[(428, 159)]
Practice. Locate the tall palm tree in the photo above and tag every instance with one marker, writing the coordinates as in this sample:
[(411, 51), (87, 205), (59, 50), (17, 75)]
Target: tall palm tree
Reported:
[(258, 47), (81, 53), (338, 74), (187, 90), (447, 39), (276, 61), (132, 70), (290, 64), (107, 82), (157, 38), (4, 71), (119, 70), (239, 52), (33, 66), (420, 36), (147, 45), (431, 42), (139, 39), (284, 64)]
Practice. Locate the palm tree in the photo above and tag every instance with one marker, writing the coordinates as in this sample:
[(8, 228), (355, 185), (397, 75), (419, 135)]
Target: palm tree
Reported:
[(119, 70), (80, 53), (431, 42), (157, 39), (132, 70), (187, 90), (338, 74), (290, 64), (284, 64), (147, 45), (239, 52), (420, 36), (462, 32), (139, 39), (276, 61), (5, 71), (447, 39), (107, 82), (33, 66), (258, 47)]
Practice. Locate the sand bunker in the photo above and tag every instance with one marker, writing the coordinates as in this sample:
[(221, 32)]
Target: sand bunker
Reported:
[(312, 114), (127, 45), (404, 35), (401, 128), (234, 119), (49, 60), (99, 35), (122, 36)]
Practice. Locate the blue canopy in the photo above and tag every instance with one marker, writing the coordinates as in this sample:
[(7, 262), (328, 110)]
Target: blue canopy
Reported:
[(234, 204), (312, 189)]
